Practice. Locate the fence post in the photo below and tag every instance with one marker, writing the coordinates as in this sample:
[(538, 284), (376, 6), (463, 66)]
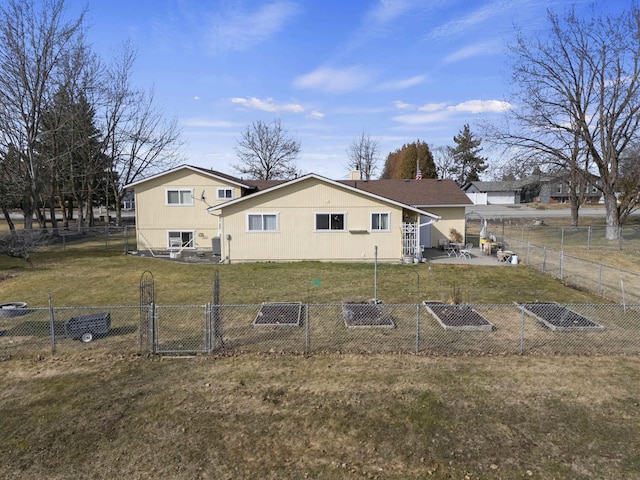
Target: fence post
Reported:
[(306, 330), (561, 238), (544, 259), (600, 280), (521, 330), (52, 330), (620, 237), (589, 238), (561, 263), (206, 330), (152, 326), (417, 328)]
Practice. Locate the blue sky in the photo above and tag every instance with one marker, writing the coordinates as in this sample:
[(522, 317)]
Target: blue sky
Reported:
[(398, 70)]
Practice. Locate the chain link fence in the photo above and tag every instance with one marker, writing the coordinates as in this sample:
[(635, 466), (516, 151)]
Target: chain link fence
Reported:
[(429, 328), (25, 332), (615, 284), (561, 237), (110, 236)]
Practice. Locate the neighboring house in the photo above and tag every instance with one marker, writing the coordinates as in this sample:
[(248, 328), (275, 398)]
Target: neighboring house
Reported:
[(493, 193), (543, 188), (308, 218), (550, 188), (128, 201)]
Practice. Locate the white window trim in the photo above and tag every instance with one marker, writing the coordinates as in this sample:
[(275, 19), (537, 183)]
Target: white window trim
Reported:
[(193, 236), (222, 190), (329, 230), (262, 214), (166, 197), (388, 214)]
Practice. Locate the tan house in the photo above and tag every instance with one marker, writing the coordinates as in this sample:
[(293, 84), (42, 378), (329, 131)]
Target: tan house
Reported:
[(189, 209)]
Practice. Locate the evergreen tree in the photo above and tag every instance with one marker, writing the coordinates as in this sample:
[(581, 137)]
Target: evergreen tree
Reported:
[(466, 154), (70, 148), (403, 163)]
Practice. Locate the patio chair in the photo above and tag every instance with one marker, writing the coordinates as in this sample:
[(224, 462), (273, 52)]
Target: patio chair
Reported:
[(466, 251)]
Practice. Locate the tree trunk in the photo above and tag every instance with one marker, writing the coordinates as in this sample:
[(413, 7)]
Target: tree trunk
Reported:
[(27, 212), (117, 200), (575, 207), (7, 217), (612, 229), (52, 214)]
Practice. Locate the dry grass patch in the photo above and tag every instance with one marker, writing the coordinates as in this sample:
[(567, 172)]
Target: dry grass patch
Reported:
[(330, 416)]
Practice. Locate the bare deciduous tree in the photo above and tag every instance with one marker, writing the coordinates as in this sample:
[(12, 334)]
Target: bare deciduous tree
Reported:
[(444, 161), (580, 101), (35, 38), (363, 154), (138, 138), (22, 244), (266, 152)]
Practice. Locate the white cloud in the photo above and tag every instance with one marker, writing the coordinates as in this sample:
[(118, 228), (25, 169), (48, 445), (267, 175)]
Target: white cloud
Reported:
[(486, 48), (386, 11), (196, 98), (400, 105), (315, 115), (481, 106), (267, 105), (421, 118), (458, 26), (241, 30), (432, 107), (332, 80), (402, 83), (438, 112)]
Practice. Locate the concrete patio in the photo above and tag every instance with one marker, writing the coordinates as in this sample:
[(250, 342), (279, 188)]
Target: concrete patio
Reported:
[(478, 257)]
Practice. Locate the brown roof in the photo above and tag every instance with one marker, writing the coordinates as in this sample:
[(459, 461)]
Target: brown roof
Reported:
[(253, 184), (263, 184), (419, 193)]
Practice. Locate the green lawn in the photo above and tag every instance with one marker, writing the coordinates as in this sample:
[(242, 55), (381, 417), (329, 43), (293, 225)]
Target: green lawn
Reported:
[(87, 274)]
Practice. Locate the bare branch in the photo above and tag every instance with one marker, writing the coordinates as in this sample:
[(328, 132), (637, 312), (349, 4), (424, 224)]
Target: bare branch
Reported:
[(363, 154), (266, 152)]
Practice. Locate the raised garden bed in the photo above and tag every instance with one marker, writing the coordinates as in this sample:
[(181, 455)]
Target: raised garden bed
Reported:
[(558, 317), (279, 314), (365, 315), (458, 317)]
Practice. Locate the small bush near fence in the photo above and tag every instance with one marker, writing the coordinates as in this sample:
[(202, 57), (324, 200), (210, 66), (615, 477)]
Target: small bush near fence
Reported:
[(229, 329)]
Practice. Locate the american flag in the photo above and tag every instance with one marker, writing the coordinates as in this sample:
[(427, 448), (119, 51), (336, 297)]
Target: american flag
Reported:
[(419, 174)]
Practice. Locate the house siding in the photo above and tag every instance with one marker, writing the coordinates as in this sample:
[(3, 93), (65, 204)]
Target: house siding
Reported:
[(451, 217), (297, 239), (154, 218)]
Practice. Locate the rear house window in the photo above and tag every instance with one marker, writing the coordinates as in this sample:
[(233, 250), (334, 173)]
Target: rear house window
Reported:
[(330, 221), (180, 197)]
